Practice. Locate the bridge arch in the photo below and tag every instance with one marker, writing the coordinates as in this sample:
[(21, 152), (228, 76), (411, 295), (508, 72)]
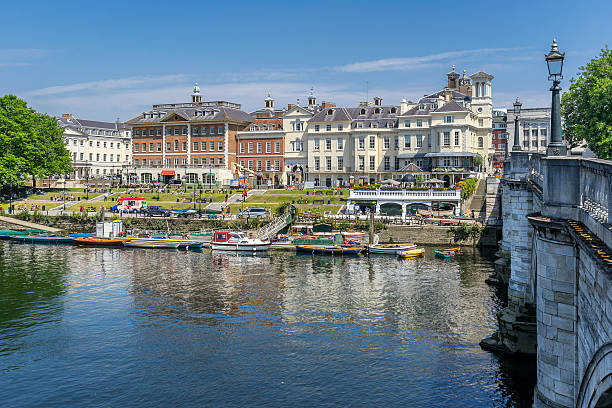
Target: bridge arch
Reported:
[(596, 386)]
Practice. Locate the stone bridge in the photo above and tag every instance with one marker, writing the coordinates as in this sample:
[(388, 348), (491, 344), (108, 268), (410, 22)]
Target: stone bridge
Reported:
[(557, 241)]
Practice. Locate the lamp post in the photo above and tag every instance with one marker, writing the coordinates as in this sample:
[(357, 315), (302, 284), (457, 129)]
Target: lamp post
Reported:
[(517, 111), (554, 60), (200, 203)]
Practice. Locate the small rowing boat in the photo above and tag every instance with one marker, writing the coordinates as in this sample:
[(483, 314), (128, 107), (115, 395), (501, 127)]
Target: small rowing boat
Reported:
[(391, 249), (328, 250), (411, 253), (151, 244), (41, 239), (455, 250), (443, 254), (98, 241)]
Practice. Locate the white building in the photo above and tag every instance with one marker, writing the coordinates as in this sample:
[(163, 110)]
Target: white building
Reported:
[(99, 150), (534, 128)]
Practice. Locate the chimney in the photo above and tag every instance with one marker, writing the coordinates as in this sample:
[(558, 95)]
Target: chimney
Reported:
[(447, 94), (290, 106), (377, 101), (327, 105), (403, 106)]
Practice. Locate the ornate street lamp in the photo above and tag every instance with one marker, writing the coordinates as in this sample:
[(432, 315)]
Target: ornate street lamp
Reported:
[(554, 60), (517, 111)]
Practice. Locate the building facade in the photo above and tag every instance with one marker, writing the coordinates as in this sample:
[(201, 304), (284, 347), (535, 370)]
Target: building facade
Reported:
[(500, 138), (99, 150), (534, 128), (261, 147), (193, 142)]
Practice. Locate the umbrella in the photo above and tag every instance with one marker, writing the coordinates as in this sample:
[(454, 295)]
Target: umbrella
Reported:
[(389, 181), (408, 178), (434, 181)]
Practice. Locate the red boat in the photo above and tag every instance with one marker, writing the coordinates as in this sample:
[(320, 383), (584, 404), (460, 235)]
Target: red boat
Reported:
[(98, 241)]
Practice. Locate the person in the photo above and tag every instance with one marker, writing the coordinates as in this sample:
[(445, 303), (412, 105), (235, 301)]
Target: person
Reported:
[(227, 210), (225, 198)]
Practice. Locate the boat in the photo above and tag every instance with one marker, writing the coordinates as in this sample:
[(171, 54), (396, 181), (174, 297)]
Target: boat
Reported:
[(183, 243), (391, 249), (151, 244), (98, 241), (456, 250), (412, 253), (41, 239), (328, 249), (443, 254), (237, 241)]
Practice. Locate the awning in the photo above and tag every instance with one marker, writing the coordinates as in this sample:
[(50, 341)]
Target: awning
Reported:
[(168, 173)]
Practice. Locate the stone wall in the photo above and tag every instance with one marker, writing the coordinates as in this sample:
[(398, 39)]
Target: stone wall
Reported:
[(435, 235)]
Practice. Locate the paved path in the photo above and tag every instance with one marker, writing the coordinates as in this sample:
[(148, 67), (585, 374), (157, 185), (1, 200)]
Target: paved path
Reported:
[(28, 225), (234, 199)]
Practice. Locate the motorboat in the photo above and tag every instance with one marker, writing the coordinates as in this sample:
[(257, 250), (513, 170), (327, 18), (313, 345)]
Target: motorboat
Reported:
[(237, 241), (411, 253), (329, 249), (151, 244), (390, 249), (91, 241)]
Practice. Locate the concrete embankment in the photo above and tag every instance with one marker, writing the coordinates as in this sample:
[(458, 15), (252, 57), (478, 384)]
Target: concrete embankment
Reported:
[(437, 235)]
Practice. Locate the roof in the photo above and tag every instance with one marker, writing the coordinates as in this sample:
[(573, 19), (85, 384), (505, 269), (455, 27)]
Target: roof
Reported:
[(69, 121), (192, 113), (482, 74), (452, 106), (382, 116)]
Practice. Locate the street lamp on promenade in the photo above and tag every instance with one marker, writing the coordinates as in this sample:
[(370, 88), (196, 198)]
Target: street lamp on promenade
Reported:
[(517, 111), (554, 60)]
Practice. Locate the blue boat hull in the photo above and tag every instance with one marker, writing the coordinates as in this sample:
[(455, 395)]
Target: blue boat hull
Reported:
[(42, 240), (328, 251)]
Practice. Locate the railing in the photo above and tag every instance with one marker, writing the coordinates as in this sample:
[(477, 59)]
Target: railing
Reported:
[(430, 194), (536, 173), (595, 180)]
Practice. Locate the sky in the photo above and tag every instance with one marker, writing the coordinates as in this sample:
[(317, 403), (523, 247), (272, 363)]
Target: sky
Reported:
[(114, 59)]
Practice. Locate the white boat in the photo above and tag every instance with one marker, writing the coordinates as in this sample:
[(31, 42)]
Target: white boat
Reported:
[(391, 249), (151, 244), (237, 241)]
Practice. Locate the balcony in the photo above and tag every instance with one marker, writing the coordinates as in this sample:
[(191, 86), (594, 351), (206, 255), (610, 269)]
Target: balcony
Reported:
[(405, 195)]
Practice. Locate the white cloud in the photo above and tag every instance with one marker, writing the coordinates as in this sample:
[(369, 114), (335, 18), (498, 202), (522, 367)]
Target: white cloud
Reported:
[(408, 63), (20, 57)]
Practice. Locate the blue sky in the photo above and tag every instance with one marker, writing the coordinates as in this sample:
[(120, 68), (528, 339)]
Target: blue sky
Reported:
[(103, 60)]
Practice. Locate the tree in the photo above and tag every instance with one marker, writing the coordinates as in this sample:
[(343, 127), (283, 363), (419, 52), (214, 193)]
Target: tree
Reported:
[(31, 143), (587, 106)]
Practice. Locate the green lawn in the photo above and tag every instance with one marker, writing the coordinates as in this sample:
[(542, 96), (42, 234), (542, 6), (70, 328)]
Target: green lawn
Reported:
[(317, 209)]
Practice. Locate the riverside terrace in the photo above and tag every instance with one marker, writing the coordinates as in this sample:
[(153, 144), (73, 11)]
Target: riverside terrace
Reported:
[(556, 229), (404, 198)]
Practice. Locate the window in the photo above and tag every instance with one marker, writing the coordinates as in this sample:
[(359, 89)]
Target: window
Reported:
[(268, 165), (176, 132), (542, 132), (276, 147), (456, 138), (136, 147), (372, 142), (259, 147), (386, 143), (362, 112), (184, 146), (317, 164), (204, 131), (151, 147), (328, 144), (176, 145), (250, 147), (428, 140), (111, 157), (220, 131), (219, 160), (168, 146), (419, 123), (242, 163), (328, 163), (268, 147), (104, 159), (419, 163), (212, 146), (97, 144), (419, 141), (340, 144), (328, 128), (250, 164), (136, 162), (144, 147), (446, 162), (386, 163), (534, 143), (361, 162), (168, 132), (159, 149), (361, 143), (372, 163), (542, 143), (270, 127), (340, 128), (196, 146), (168, 162), (397, 163), (204, 161), (407, 123), (253, 128), (277, 165), (480, 123), (203, 146), (81, 156), (241, 147), (534, 132), (137, 133), (211, 130), (104, 143), (317, 128), (298, 125), (446, 139), (449, 119), (220, 146), (526, 143), (481, 142), (316, 144), (456, 162), (176, 162), (407, 142), (195, 131), (90, 156), (340, 163), (195, 161), (526, 133)]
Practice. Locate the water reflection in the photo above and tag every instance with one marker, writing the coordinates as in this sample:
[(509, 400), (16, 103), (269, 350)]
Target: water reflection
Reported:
[(231, 330)]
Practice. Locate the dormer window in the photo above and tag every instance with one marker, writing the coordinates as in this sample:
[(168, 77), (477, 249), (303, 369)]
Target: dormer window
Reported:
[(253, 128), (393, 110), (363, 112), (377, 110), (330, 112)]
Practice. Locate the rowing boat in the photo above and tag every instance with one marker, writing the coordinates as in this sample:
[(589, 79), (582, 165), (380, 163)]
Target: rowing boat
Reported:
[(151, 244), (391, 249), (456, 250), (412, 253), (41, 239), (328, 250), (98, 241), (443, 254)]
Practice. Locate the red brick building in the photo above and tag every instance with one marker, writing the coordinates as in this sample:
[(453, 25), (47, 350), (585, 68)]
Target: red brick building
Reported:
[(500, 138), (261, 147), (194, 142)]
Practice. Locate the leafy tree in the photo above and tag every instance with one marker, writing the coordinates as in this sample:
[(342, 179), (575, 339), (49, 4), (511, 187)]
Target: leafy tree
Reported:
[(587, 106), (31, 143)]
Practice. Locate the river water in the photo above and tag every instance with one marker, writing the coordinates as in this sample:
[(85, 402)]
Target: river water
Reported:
[(159, 328)]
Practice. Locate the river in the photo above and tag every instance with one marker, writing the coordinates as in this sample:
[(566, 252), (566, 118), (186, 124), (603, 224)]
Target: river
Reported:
[(159, 328)]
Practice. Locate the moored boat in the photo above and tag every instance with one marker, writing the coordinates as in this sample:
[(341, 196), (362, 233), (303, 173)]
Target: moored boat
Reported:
[(391, 249), (456, 250), (90, 241), (328, 249), (151, 244), (41, 239), (412, 253), (444, 254), (237, 241)]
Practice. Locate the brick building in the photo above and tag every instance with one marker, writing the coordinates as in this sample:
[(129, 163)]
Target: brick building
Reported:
[(192, 142), (261, 147), (500, 138)]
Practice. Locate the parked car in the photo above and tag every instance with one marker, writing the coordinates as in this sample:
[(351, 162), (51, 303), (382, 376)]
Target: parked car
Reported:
[(156, 210), (184, 213), (129, 205), (253, 212)]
